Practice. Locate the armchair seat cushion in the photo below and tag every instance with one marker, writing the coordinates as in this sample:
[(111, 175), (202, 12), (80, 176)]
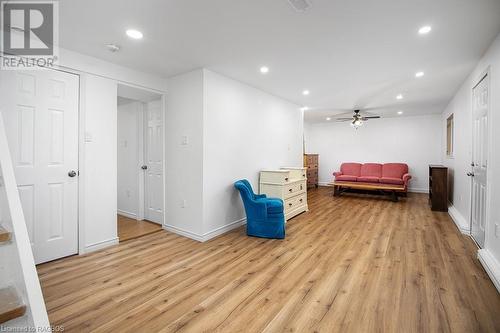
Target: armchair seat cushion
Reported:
[(368, 179), (346, 178), (390, 180)]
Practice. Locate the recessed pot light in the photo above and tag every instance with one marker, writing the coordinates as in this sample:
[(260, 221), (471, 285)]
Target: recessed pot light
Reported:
[(328, 118), (419, 74), (424, 30), (400, 96), (264, 70), (305, 108), (400, 112), (306, 92), (135, 34)]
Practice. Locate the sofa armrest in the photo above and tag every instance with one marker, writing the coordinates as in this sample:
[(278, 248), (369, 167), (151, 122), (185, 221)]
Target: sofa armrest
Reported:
[(406, 177), (337, 173), (260, 196)]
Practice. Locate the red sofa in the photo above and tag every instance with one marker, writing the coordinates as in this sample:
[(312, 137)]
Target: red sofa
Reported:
[(374, 173)]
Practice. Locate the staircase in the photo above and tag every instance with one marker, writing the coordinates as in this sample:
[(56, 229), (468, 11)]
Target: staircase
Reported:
[(22, 307)]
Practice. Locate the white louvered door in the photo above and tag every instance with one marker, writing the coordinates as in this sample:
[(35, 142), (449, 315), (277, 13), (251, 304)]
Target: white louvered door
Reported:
[(40, 110)]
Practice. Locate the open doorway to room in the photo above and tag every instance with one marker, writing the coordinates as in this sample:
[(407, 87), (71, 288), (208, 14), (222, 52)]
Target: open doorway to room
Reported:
[(140, 162)]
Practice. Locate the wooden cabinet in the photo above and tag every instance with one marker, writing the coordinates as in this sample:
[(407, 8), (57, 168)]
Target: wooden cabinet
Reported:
[(311, 163), (288, 184), (438, 188)]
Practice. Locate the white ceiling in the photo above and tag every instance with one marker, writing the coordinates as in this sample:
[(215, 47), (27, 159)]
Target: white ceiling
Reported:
[(348, 53)]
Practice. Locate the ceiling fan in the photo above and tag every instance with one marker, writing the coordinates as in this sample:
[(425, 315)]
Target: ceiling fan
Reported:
[(357, 119)]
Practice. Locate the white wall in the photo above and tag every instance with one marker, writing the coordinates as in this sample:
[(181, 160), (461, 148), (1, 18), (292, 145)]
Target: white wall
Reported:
[(245, 130), (184, 162), (128, 158), (412, 140), (233, 131), (98, 158), (99, 175), (461, 107)]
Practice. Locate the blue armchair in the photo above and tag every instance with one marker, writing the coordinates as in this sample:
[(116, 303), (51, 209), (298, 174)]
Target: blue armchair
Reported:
[(265, 216)]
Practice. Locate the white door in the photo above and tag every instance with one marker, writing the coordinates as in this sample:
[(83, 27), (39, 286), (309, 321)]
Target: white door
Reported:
[(154, 161), (40, 109), (479, 159)]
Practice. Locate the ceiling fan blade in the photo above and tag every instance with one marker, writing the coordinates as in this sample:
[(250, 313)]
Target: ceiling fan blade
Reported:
[(371, 117), (343, 119)]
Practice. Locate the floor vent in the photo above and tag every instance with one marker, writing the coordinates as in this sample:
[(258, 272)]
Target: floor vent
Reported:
[(300, 5)]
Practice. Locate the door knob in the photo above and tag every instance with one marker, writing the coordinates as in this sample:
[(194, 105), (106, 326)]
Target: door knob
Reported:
[(144, 167), (72, 173), (470, 174)]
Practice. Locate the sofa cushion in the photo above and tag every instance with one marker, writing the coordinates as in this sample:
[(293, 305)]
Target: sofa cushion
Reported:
[(368, 179), (274, 206), (346, 178), (351, 169), (394, 170), (390, 180), (371, 170)]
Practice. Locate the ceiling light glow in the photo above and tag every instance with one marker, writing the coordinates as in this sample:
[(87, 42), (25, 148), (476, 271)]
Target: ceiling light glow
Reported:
[(135, 34), (306, 92), (419, 74), (400, 96), (400, 112), (264, 70), (328, 118), (424, 30)]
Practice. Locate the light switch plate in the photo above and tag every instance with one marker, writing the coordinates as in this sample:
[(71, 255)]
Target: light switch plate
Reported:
[(185, 140)]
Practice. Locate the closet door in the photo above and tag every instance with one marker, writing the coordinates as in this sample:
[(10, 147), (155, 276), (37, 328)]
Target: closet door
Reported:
[(40, 110)]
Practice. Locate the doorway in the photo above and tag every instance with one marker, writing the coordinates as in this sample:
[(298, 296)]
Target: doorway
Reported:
[(480, 107), (140, 162), (40, 110)]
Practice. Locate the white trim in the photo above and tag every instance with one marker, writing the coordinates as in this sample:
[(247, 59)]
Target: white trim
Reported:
[(183, 232), (208, 235), (491, 266), (460, 221), (101, 245), (128, 214), (222, 230)]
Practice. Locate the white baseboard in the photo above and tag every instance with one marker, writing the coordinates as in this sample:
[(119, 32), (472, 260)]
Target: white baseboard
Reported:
[(101, 245), (208, 235), (460, 221), (183, 232), (418, 190), (222, 230), (491, 266), (127, 214)]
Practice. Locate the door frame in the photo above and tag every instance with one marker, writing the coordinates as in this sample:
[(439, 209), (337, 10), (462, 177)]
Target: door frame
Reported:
[(484, 75), (141, 214)]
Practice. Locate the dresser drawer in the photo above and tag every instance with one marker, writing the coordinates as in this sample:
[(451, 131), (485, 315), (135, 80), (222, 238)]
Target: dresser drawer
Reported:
[(294, 188), (296, 173), (275, 177), (295, 202)]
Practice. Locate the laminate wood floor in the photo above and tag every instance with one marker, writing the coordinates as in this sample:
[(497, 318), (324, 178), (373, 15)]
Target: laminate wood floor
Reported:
[(129, 228), (351, 264)]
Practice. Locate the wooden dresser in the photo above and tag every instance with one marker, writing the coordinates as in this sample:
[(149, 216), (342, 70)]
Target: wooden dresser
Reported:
[(288, 184), (311, 163), (438, 188)]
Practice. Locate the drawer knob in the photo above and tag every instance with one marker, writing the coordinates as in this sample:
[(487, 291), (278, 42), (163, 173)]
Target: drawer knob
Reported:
[(300, 200), (286, 179), (290, 190), (290, 204)]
